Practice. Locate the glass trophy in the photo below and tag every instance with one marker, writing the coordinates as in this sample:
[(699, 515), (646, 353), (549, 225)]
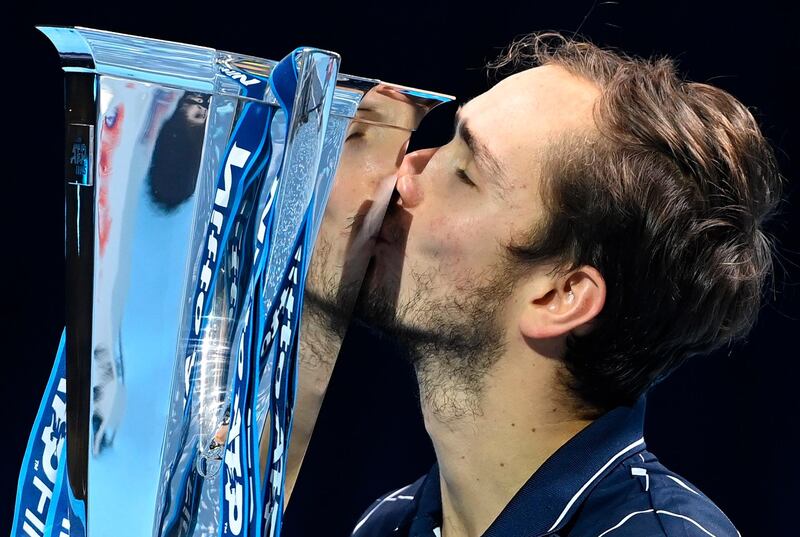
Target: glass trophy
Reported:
[(220, 211)]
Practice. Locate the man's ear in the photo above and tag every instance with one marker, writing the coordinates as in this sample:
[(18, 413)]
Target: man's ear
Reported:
[(554, 307)]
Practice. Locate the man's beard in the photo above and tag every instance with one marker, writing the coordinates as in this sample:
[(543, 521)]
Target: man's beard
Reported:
[(327, 306), (452, 342), (332, 284)]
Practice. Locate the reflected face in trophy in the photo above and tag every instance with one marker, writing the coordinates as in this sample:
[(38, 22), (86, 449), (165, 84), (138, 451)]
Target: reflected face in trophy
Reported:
[(375, 144), (441, 279), (194, 108), (177, 152)]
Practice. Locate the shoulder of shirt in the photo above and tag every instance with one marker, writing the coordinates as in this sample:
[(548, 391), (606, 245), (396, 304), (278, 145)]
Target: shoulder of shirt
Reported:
[(388, 512), (641, 497)]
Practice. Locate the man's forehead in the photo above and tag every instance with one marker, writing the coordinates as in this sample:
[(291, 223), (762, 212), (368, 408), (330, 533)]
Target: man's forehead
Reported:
[(519, 116), (547, 89)]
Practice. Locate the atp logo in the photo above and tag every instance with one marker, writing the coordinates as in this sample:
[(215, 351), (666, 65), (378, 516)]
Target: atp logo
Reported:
[(239, 77)]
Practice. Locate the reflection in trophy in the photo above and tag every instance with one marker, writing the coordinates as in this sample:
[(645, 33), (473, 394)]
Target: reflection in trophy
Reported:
[(171, 141), (376, 142), (199, 183)]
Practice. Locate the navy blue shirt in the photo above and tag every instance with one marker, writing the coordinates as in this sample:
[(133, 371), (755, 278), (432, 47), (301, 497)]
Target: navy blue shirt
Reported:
[(603, 481)]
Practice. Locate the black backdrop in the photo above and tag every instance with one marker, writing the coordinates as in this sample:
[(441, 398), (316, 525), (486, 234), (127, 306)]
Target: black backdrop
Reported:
[(724, 421)]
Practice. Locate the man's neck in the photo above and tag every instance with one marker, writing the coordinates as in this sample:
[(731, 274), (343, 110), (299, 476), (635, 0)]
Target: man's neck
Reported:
[(485, 457)]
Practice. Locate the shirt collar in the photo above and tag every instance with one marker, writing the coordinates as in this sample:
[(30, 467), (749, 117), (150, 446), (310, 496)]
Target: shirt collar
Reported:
[(551, 496)]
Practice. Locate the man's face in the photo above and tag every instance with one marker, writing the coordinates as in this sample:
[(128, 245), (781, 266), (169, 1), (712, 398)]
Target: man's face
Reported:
[(363, 183), (195, 109), (439, 273)]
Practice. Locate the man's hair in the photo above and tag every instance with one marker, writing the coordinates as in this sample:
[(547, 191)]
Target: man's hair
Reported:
[(667, 200)]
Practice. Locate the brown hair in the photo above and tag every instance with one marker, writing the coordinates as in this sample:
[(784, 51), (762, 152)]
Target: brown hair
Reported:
[(668, 201)]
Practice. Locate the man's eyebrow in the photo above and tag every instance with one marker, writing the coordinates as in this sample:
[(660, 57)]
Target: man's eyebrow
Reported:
[(483, 156)]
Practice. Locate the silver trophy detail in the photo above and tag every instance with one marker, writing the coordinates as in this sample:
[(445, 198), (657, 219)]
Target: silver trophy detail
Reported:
[(220, 215)]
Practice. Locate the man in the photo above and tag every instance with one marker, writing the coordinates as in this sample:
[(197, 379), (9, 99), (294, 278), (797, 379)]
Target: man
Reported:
[(376, 141), (594, 221)]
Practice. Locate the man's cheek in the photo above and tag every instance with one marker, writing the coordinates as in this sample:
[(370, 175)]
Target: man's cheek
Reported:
[(458, 250), (342, 204), (430, 240), (445, 253), (451, 236)]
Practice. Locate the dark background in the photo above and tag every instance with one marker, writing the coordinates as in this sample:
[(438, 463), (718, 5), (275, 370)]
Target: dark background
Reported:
[(725, 421)]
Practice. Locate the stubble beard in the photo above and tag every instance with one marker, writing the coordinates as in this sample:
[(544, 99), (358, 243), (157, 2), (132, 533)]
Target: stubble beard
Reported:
[(327, 306), (452, 342)]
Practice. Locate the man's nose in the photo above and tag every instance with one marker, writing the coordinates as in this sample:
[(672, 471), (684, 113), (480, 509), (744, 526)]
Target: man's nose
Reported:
[(408, 186)]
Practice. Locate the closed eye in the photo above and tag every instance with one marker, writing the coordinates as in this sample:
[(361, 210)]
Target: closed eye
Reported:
[(354, 134), (461, 174)]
